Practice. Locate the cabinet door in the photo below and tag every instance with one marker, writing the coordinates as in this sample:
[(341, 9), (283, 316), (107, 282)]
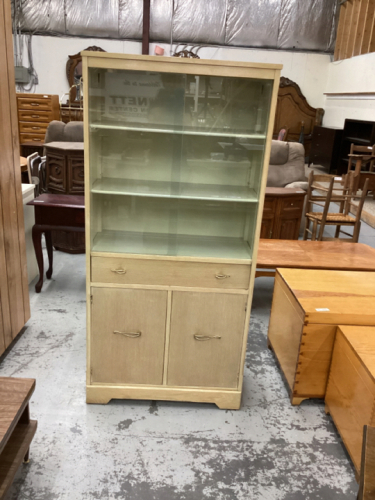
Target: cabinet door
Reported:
[(127, 335), (289, 220), (206, 339), (56, 173), (268, 217)]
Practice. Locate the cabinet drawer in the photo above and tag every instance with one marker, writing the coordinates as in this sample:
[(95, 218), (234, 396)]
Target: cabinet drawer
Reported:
[(38, 138), (169, 273), (206, 339), (292, 203), (33, 128), (34, 103), (35, 116), (127, 336)]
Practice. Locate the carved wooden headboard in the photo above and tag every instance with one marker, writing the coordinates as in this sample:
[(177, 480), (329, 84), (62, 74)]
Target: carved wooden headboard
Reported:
[(293, 109)]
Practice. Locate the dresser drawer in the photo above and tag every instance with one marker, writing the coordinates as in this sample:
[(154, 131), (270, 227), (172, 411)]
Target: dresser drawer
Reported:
[(169, 273), (37, 138), (35, 116), (292, 203), (34, 103), (33, 128)]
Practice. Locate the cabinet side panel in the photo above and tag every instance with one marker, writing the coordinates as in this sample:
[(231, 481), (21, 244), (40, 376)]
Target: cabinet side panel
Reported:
[(206, 339), (285, 329), (350, 397), (314, 360)]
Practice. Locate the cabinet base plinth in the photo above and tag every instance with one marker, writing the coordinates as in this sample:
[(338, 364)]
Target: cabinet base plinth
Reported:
[(102, 394)]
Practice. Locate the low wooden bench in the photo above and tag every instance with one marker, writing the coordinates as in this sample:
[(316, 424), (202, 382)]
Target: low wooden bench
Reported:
[(16, 428)]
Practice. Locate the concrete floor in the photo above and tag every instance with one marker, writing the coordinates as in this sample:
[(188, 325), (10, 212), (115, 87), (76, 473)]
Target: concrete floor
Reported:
[(146, 450)]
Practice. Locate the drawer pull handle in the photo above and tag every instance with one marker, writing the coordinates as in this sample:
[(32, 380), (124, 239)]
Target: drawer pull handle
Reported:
[(35, 128), (130, 335), (221, 276), (35, 116), (34, 104), (119, 271), (206, 337)]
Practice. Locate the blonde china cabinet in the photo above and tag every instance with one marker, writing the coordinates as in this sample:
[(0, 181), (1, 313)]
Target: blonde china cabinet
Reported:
[(176, 155)]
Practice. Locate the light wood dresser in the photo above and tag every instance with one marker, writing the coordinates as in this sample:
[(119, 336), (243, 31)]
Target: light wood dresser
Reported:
[(306, 308), (172, 222), (350, 397), (35, 112)]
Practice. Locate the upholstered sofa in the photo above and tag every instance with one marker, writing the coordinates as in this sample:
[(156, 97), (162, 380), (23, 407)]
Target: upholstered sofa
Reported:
[(287, 165), (64, 132)]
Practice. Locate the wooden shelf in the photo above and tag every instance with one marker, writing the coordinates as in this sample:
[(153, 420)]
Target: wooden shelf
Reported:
[(176, 131), (177, 190), (171, 244), (13, 454)]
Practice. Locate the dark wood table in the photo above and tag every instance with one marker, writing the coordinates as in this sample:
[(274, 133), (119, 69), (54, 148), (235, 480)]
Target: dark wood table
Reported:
[(16, 428), (55, 212), (335, 255)]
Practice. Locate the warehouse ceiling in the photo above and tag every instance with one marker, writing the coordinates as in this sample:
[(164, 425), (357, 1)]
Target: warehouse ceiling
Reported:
[(308, 25)]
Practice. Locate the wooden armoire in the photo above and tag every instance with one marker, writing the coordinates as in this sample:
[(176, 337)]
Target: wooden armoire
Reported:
[(14, 292)]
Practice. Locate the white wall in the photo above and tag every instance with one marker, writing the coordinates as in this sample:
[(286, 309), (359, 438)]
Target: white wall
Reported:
[(350, 75), (50, 55)]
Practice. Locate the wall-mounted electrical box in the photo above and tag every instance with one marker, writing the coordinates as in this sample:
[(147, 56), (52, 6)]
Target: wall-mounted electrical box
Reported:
[(22, 74)]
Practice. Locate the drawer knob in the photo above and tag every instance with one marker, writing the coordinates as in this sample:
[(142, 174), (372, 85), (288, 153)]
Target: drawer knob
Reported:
[(119, 271), (221, 276), (206, 337), (130, 335)]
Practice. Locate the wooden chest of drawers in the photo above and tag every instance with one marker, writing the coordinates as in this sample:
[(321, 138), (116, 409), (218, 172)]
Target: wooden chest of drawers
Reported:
[(35, 112), (307, 307), (325, 147), (350, 398)]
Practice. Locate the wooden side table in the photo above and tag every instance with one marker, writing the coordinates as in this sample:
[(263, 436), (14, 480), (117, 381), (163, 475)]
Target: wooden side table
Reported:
[(282, 213), (307, 307), (16, 428), (65, 175), (55, 212)]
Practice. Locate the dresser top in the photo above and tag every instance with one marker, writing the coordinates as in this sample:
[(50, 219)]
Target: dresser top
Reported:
[(77, 146)]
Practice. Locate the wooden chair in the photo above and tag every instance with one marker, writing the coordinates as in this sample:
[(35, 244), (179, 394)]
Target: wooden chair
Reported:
[(36, 172), (360, 157), (367, 475), (343, 195)]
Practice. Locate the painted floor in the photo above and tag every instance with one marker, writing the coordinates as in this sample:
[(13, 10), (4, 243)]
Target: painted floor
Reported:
[(145, 450)]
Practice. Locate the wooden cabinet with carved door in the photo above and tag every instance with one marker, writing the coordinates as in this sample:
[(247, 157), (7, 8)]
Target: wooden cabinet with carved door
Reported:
[(174, 156), (282, 213)]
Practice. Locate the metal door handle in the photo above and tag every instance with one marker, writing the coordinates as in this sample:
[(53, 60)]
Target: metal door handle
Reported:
[(130, 335), (207, 337), (119, 271), (221, 276)]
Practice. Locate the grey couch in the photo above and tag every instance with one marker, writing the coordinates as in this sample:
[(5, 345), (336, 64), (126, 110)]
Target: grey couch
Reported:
[(64, 132), (287, 165)]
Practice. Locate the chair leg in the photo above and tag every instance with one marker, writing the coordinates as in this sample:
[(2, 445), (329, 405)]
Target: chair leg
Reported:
[(356, 231), (307, 226), (337, 233), (314, 229)]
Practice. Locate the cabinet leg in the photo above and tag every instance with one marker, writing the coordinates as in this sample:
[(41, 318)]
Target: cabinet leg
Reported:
[(326, 409), (48, 236), (37, 242), (297, 401), (229, 402), (26, 458)]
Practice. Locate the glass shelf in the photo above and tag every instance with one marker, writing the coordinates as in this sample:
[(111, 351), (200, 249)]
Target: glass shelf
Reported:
[(178, 190), (177, 130), (172, 245)]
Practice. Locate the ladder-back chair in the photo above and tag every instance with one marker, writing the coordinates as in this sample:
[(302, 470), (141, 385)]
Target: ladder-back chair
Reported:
[(343, 194)]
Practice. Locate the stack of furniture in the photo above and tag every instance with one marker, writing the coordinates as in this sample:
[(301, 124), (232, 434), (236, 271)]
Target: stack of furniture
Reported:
[(14, 293), (35, 112), (16, 428), (358, 132), (172, 223)]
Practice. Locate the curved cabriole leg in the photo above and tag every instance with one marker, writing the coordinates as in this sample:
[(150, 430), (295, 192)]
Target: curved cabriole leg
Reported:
[(48, 236), (37, 242)]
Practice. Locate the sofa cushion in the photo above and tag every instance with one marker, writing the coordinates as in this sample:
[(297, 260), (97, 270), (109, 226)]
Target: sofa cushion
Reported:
[(279, 152), (291, 171), (60, 132)]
